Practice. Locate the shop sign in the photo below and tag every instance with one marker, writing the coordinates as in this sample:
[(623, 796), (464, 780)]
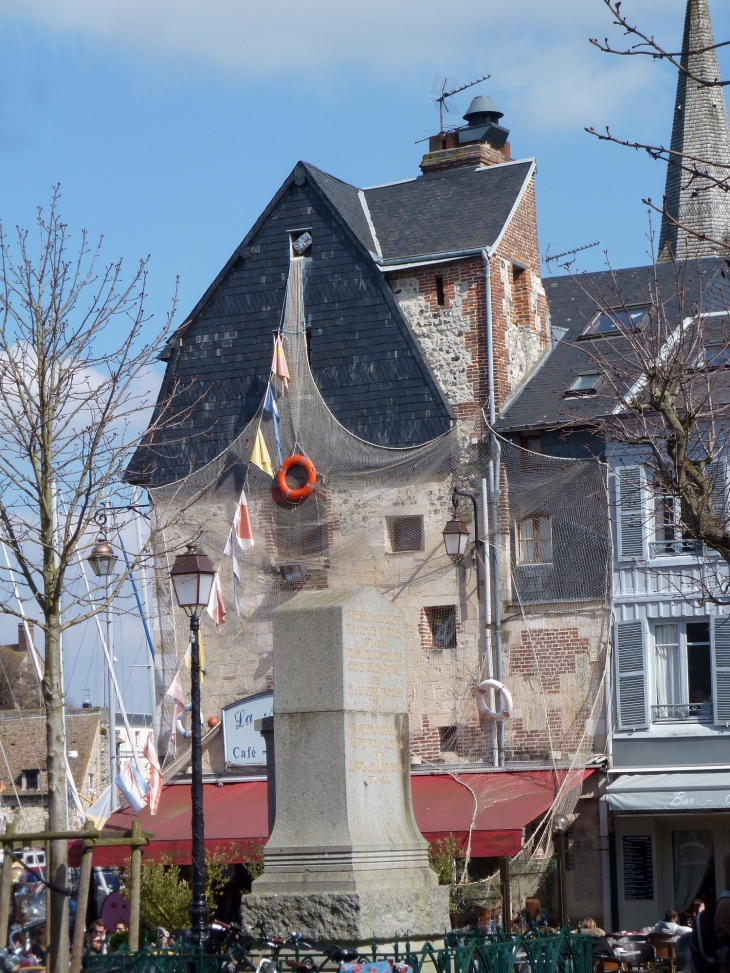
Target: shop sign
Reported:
[(244, 746)]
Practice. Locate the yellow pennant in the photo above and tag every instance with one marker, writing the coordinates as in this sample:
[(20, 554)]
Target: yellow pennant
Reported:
[(201, 655), (260, 455)]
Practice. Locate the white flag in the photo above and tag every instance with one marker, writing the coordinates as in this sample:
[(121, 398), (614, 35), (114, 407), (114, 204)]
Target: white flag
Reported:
[(230, 549), (128, 783)]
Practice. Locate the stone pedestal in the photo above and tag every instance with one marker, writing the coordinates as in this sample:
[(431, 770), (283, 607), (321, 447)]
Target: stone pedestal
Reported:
[(345, 860)]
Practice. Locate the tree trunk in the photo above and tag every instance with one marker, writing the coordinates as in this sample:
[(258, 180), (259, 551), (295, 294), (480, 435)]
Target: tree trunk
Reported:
[(57, 866)]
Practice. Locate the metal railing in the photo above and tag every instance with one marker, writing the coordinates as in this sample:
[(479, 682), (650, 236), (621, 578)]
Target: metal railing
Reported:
[(530, 952), (682, 712), (675, 548)]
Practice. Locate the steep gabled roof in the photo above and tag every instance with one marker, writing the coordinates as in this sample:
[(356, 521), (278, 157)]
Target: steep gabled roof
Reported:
[(460, 209), (574, 302)]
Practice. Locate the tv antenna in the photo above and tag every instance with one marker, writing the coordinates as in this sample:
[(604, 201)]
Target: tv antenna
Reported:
[(568, 253), (440, 99)]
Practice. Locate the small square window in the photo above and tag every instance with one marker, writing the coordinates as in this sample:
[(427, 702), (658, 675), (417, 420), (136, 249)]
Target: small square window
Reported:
[(614, 322), (442, 626), (406, 533), (301, 243), (31, 780), (535, 540), (448, 739), (584, 385)]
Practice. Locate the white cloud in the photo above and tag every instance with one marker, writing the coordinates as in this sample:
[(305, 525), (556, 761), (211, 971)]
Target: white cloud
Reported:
[(536, 50)]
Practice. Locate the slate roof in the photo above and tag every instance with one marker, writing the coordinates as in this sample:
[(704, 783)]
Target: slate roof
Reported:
[(574, 301), (460, 209)]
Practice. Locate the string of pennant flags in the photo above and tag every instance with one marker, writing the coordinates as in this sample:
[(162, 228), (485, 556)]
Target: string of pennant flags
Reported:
[(240, 535), (131, 781)]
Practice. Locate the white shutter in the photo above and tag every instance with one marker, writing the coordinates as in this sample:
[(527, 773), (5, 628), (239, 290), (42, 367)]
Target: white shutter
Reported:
[(721, 668), (631, 686), (630, 512), (717, 475)]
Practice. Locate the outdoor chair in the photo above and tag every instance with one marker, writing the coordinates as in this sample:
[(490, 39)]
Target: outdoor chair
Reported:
[(666, 952), (643, 959), (606, 965)]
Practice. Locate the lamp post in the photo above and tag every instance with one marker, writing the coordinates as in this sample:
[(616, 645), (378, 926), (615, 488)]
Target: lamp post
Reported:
[(561, 823), (103, 561), (192, 577)]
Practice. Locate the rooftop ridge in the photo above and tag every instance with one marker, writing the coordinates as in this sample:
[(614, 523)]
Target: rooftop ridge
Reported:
[(700, 130)]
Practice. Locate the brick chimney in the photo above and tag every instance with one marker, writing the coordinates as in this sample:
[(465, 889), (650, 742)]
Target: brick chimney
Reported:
[(482, 142), (23, 645)]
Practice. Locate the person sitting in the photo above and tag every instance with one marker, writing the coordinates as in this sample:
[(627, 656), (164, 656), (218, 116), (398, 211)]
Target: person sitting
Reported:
[(600, 946), (689, 916), (98, 938), (533, 914), (669, 925)]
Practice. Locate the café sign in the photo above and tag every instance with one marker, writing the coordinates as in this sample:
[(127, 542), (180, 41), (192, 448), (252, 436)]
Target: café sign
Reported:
[(244, 746)]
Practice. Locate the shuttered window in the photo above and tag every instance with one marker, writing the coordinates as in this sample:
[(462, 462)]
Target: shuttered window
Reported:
[(630, 512), (631, 687), (717, 474), (721, 668)]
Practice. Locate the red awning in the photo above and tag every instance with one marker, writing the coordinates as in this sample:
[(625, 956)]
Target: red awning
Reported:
[(236, 814)]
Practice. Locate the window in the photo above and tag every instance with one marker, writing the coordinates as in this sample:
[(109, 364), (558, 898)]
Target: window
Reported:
[(614, 322), (301, 243), (448, 739), (440, 291), (717, 356), (683, 672), (535, 540), (31, 780), (669, 539), (584, 385), (442, 626), (405, 533)]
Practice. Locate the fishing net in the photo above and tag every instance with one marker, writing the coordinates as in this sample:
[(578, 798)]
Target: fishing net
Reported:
[(376, 519)]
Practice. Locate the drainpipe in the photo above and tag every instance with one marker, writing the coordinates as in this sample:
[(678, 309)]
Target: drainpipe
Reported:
[(494, 496)]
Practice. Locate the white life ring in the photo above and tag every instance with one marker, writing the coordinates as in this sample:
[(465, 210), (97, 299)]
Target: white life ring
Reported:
[(185, 734), (503, 695)]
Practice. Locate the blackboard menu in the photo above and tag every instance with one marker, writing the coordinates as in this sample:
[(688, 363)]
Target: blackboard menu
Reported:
[(638, 880)]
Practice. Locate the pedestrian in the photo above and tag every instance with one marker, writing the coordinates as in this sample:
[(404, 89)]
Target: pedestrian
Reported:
[(722, 920), (98, 939)]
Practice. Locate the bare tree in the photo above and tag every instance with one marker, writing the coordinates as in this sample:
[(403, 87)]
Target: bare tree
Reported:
[(664, 396), (75, 384), (701, 173)]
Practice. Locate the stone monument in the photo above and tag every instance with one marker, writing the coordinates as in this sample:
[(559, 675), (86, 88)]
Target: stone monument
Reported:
[(345, 860)]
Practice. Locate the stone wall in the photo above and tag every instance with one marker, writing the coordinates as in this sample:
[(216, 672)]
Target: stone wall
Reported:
[(453, 335)]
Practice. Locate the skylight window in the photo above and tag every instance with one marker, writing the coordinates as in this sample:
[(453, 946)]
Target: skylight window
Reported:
[(584, 385), (717, 356), (614, 322)]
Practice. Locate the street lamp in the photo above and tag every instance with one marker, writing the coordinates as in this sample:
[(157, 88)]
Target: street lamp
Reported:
[(192, 578), (561, 823), (456, 533), (103, 560)]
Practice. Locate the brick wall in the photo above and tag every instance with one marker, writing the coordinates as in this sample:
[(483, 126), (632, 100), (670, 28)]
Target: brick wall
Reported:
[(548, 669), (453, 336)]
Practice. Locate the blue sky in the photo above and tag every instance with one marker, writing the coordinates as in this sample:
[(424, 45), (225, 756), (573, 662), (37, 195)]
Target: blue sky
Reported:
[(171, 123)]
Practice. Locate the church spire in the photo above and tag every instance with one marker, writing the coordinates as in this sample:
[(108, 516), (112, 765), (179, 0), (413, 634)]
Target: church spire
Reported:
[(700, 130)]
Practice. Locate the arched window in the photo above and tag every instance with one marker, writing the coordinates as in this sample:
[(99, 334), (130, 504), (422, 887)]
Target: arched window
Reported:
[(535, 540)]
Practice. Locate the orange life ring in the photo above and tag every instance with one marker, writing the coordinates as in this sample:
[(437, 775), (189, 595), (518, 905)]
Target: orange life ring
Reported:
[(302, 492)]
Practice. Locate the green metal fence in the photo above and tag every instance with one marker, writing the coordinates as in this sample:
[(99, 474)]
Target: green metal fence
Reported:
[(565, 952)]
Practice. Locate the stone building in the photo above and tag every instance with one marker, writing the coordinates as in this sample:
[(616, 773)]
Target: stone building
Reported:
[(422, 304), (23, 779)]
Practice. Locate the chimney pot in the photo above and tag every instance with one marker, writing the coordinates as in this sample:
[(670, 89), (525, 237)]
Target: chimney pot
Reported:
[(23, 645)]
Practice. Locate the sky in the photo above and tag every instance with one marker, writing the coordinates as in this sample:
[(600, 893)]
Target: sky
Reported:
[(169, 125)]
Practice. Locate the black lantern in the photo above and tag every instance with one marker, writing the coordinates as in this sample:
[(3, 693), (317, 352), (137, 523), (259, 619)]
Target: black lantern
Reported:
[(456, 538), (192, 578)]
